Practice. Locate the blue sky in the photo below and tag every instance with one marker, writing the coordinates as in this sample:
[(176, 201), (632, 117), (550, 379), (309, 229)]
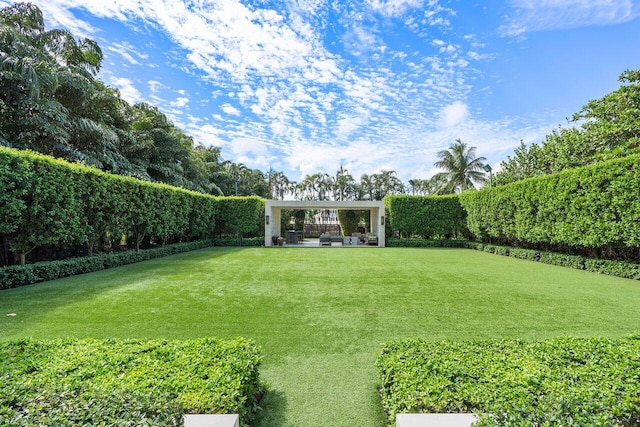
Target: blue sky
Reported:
[(304, 86)]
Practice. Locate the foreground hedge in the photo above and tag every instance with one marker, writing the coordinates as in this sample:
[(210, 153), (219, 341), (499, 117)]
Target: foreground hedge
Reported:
[(562, 381), (126, 382), (20, 275)]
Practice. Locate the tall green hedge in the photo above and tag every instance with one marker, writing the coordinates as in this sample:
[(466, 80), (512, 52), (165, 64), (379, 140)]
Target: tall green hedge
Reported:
[(46, 201), (595, 207), (429, 217), (241, 215)]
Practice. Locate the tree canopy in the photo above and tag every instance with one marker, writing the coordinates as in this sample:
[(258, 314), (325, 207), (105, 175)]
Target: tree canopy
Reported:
[(52, 102), (462, 169), (605, 128)]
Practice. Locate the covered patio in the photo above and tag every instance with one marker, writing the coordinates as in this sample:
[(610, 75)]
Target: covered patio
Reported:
[(273, 214)]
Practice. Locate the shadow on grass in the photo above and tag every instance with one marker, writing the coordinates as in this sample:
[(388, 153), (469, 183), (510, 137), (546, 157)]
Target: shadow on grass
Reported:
[(274, 405)]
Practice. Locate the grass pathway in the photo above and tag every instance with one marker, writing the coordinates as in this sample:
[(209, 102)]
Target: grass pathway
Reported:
[(320, 314)]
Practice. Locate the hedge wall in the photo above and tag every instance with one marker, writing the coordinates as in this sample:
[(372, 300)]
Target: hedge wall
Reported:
[(424, 243), (46, 201), (76, 382), (593, 208), (561, 381), (13, 276), (628, 270), (429, 217)]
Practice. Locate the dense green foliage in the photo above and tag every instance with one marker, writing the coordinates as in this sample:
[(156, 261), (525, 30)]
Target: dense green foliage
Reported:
[(423, 243), (429, 217), (628, 270), (240, 215), (126, 382), (610, 128), (561, 381), (19, 275), (52, 202), (247, 242), (594, 210)]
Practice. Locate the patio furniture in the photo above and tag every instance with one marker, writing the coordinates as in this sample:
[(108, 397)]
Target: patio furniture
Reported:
[(328, 240)]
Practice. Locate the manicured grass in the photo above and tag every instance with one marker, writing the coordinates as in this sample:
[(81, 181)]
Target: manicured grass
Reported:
[(321, 314)]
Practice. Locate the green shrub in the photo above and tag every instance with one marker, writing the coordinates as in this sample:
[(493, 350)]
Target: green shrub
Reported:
[(613, 268), (20, 275), (593, 207), (502, 250), (251, 242), (475, 245), (562, 381), (430, 217), (528, 254), (423, 243), (126, 382), (489, 248), (564, 260)]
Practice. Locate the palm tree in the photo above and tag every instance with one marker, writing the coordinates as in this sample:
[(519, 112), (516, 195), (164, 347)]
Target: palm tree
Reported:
[(461, 168), (344, 185)]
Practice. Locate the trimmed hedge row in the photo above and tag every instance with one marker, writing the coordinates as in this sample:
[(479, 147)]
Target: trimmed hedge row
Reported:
[(422, 243), (561, 381), (244, 242), (612, 268), (429, 217), (593, 207), (126, 382), (47, 201), (20, 275)]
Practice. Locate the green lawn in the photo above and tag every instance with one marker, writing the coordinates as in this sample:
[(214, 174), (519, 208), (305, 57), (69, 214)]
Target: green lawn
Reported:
[(320, 314)]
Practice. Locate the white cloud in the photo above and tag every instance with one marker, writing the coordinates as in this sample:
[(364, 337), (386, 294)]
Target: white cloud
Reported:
[(206, 135), (543, 15), (180, 102), (394, 7), (127, 89), (155, 86), (453, 114), (230, 109), (128, 52), (251, 152)]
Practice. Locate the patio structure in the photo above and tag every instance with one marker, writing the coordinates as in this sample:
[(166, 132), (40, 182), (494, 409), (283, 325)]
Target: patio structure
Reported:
[(273, 214)]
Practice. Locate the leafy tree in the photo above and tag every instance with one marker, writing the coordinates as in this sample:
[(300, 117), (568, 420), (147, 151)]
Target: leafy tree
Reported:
[(461, 168), (612, 123), (279, 184), (29, 76), (609, 128), (385, 183), (344, 185)]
